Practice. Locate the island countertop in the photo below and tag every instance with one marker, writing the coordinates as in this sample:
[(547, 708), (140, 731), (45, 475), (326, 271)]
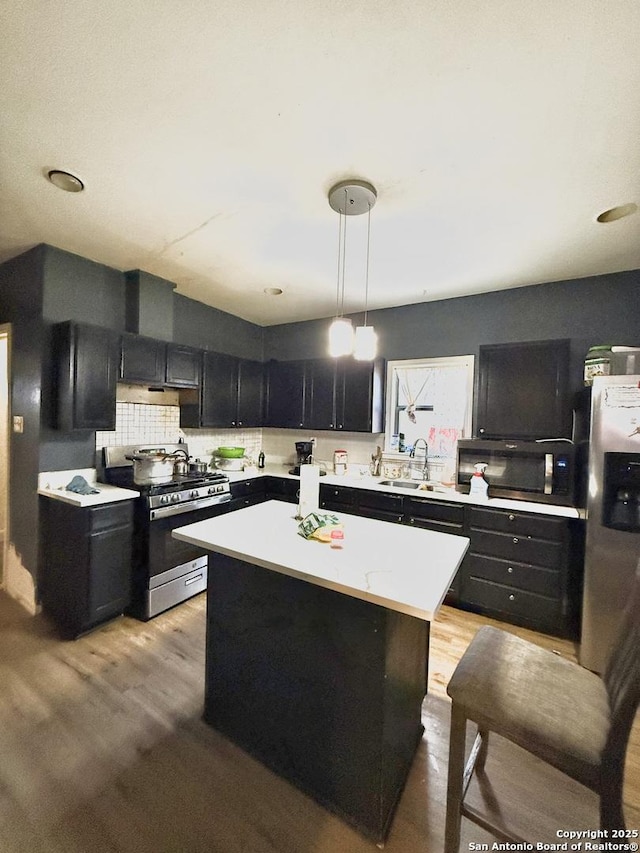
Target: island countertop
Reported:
[(405, 569)]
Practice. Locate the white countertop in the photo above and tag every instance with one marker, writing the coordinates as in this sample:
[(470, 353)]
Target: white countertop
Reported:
[(356, 481), (51, 484), (402, 568)]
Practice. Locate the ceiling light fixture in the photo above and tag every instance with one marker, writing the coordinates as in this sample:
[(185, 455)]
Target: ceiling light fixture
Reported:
[(615, 213), (351, 198), (65, 181)]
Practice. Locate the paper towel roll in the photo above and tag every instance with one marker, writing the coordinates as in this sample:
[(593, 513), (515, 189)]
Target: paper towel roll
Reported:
[(309, 489)]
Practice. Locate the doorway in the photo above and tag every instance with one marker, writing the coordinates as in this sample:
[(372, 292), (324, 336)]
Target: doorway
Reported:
[(4, 447)]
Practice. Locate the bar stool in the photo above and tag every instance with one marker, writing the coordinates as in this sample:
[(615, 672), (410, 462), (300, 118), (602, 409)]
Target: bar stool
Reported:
[(569, 717)]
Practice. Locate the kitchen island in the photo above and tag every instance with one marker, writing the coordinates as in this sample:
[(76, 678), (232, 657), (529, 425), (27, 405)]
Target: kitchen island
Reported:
[(317, 657)]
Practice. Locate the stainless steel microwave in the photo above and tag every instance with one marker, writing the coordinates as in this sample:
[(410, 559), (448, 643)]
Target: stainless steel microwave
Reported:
[(539, 471)]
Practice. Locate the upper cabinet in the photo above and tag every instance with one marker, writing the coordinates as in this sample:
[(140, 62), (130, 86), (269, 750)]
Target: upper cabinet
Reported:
[(147, 361), (231, 394), (143, 360), (330, 394), (286, 394), (523, 391), (183, 366), (85, 374)]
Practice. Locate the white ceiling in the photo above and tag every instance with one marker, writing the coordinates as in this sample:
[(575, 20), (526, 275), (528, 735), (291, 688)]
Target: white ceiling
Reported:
[(209, 132)]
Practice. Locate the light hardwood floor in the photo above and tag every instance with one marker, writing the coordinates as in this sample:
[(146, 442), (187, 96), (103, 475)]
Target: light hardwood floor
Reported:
[(103, 750)]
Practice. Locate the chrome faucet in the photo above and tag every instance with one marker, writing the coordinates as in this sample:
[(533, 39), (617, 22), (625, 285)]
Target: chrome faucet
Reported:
[(426, 455)]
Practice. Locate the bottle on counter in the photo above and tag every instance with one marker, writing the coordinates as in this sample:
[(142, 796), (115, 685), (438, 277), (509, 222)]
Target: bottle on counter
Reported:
[(261, 460), (479, 486)]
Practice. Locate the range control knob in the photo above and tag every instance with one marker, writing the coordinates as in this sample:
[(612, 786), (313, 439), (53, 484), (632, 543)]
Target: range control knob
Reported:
[(164, 499), (175, 497), (212, 490), (219, 488), (194, 493)]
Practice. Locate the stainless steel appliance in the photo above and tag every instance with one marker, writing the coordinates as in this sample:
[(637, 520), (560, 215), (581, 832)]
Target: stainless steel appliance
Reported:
[(613, 513), (165, 571), (540, 471)]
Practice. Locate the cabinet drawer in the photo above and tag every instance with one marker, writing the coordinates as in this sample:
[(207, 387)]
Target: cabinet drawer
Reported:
[(521, 523), (110, 515), (436, 510), (522, 577), (244, 488), (535, 609), (337, 495), (381, 514), (522, 549), (434, 524), (380, 500)]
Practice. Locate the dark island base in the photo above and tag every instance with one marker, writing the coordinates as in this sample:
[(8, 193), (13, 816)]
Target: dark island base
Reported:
[(324, 689)]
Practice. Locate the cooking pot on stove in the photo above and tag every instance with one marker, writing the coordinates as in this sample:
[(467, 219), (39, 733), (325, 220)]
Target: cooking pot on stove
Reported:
[(152, 467), (181, 464), (198, 467)]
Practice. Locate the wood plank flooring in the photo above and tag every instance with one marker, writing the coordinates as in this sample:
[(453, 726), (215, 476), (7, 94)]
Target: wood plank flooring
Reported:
[(103, 750)]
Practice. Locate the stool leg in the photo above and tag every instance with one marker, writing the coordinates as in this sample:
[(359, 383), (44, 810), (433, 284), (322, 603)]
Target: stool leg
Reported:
[(457, 739)]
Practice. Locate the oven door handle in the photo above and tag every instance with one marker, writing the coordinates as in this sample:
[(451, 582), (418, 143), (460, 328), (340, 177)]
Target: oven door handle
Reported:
[(179, 509)]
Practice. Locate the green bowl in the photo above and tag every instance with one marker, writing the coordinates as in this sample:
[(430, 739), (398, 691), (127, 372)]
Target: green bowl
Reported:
[(231, 452)]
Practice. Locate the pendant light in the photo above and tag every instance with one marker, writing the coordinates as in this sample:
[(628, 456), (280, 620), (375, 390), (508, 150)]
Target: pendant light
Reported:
[(349, 198), (365, 344)]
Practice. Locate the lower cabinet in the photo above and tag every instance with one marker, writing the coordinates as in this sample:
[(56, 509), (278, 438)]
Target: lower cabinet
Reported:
[(246, 493), (85, 576), (524, 568)]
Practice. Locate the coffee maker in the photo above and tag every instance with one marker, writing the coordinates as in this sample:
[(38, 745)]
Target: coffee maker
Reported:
[(304, 454)]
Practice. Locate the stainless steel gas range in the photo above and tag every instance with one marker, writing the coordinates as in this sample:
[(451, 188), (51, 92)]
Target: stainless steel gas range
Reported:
[(165, 572)]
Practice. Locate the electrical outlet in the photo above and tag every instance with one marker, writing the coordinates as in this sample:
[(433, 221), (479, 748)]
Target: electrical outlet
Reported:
[(18, 423)]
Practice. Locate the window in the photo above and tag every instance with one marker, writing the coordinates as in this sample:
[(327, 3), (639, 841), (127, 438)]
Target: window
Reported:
[(430, 398)]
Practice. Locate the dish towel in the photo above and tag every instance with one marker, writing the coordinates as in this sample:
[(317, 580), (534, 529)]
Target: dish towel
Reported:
[(80, 486)]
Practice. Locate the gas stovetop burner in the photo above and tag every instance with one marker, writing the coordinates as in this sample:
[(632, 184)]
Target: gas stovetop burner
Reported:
[(185, 481)]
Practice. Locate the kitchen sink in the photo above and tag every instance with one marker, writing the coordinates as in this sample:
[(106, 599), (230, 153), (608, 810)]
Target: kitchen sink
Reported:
[(423, 485)]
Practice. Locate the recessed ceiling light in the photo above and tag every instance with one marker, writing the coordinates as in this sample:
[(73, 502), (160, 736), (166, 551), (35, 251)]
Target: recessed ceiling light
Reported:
[(273, 291), (619, 212), (65, 181)]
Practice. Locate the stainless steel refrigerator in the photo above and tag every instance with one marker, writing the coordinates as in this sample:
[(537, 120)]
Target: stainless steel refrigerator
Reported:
[(613, 513)]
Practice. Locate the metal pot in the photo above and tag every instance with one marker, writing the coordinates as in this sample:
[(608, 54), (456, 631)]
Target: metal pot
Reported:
[(198, 467), (181, 464), (149, 468)]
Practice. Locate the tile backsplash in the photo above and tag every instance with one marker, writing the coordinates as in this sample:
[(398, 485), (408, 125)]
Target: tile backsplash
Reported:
[(141, 423)]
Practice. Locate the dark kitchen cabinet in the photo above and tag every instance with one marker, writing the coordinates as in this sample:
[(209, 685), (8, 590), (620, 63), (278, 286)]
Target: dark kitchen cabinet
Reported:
[(282, 489), (441, 516), (85, 577), (523, 391), (183, 366), (286, 392), (344, 394), (381, 505), (231, 394), (337, 498), (524, 568), (250, 411), (246, 493), (143, 360), (85, 364)]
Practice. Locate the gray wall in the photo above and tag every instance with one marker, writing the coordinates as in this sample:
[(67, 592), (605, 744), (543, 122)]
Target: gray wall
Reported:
[(199, 325), (21, 305)]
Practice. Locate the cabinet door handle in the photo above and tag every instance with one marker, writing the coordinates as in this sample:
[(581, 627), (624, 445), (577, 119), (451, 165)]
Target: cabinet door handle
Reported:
[(515, 540), (512, 517), (512, 598), (510, 570)]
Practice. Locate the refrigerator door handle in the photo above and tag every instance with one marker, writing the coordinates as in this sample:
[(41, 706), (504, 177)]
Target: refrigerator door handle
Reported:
[(548, 473)]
